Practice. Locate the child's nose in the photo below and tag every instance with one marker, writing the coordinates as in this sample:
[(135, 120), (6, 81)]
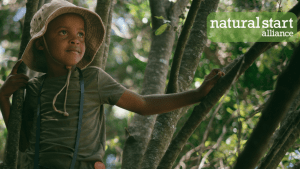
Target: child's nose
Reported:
[(74, 40)]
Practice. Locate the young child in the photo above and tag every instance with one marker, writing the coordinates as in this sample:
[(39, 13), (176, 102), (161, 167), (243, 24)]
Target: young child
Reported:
[(63, 122)]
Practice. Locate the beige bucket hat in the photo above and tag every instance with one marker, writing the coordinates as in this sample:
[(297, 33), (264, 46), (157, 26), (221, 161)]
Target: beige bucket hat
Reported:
[(94, 33)]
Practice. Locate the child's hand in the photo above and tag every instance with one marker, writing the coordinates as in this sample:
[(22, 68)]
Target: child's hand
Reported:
[(210, 81), (13, 82)]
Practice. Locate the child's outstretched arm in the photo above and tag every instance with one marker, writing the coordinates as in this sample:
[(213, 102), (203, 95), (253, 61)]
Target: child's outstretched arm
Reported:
[(13, 82), (157, 104)]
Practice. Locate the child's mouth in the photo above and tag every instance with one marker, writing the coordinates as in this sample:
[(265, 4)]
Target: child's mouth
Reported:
[(74, 51)]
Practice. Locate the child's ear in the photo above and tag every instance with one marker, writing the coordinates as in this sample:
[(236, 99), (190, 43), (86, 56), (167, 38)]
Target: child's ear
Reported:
[(39, 44)]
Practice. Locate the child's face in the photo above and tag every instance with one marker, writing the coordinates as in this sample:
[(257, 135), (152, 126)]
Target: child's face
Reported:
[(65, 37)]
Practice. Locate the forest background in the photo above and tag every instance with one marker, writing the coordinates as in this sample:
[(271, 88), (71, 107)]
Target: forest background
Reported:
[(139, 34)]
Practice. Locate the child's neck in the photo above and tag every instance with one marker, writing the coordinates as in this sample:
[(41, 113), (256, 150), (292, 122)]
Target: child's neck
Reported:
[(58, 71)]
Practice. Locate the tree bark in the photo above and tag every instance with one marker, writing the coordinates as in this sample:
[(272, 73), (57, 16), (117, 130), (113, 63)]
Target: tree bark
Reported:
[(166, 122), (182, 40), (285, 127), (15, 116), (287, 88), (282, 144), (156, 71), (165, 125), (107, 39), (198, 115), (103, 9)]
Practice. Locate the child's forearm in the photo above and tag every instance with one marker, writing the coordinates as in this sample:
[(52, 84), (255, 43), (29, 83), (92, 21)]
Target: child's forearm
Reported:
[(5, 108), (157, 104)]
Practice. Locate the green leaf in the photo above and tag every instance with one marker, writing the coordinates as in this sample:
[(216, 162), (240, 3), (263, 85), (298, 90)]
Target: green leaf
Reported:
[(161, 29), (159, 17)]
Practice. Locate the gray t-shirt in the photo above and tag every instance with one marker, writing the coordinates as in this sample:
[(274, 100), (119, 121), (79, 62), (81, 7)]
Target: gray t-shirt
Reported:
[(58, 133)]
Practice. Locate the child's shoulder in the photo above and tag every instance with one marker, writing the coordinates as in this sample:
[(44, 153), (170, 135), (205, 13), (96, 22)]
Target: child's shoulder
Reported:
[(92, 71)]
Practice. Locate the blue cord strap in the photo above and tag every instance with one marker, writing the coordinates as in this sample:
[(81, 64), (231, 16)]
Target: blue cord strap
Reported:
[(79, 118), (38, 124)]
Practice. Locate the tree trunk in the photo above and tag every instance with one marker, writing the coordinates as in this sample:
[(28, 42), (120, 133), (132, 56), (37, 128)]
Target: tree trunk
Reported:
[(294, 132), (104, 10), (287, 88), (181, 43), (156, 71), (285, 127), (165, 123), (15, 117)]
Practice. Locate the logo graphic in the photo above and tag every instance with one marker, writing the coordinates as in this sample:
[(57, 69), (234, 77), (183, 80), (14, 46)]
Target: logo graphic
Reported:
[(251, 26)]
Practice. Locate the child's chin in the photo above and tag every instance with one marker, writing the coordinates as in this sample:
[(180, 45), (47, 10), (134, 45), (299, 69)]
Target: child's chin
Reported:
[(70, 64), (74, 61)]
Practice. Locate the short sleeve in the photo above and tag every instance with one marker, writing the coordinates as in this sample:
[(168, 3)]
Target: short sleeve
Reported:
[(109, 89)]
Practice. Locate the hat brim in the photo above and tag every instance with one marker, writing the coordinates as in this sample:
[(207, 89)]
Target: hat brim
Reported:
[(94, 37)]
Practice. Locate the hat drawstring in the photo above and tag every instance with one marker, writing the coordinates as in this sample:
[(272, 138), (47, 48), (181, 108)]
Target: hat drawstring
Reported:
[(65, 103), (65, 86), (49, 51)]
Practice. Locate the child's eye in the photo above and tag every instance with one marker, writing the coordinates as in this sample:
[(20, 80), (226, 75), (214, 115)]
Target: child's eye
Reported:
[(81, 35), (63, 32)]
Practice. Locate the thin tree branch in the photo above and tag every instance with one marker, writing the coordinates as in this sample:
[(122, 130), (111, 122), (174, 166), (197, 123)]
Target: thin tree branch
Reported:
[(182, 41), (238, 121), (287, 88), (218, 143), (200, 147), (209, 127)]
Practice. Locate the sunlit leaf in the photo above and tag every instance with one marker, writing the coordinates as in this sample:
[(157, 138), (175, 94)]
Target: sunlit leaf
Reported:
[(161, 29), (159, 17)]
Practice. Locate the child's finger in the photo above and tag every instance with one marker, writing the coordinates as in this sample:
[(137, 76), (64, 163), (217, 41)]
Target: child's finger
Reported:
[(99, 165), (16, 66), (217, 77), (22, 76), (21, 81), (213, 73)]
